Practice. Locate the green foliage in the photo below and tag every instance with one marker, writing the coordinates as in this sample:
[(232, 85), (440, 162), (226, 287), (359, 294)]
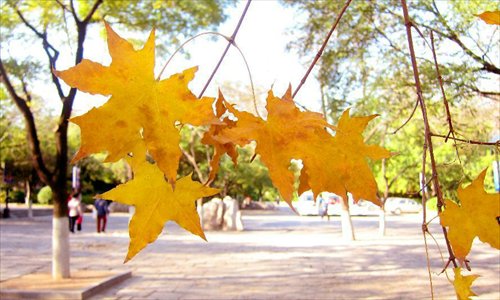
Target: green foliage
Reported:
[(44, 196), (247, 178), (13, 139), (54, 20), (431, 204), (98, 177), (17, 196), (3, 195), (366, 65), (88, 198)]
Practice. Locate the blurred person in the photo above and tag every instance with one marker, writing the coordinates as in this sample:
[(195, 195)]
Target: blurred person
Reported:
[(102, 210), (74, 210)]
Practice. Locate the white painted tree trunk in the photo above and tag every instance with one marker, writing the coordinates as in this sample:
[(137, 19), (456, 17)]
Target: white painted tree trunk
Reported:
[(60, 248), (199, 208), (347, 228), (381, 223)]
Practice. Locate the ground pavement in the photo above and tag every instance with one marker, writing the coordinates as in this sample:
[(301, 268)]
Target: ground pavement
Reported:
[(278, 256)]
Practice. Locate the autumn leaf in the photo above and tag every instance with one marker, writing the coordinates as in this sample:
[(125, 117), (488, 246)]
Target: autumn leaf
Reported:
[(278, 138), (475, 216), (140, 106), (463, 284), (209, 138), (339, 164), (156, 203), (289, 133), (490, 17)]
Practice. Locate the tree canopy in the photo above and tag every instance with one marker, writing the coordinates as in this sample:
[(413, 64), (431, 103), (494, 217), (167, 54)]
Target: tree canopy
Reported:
[(366, 66)]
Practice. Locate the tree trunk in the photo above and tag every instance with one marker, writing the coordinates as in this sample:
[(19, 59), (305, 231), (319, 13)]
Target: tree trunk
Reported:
[(199, 208), (27, 198), (381, 219), (60, 235), (346, 221), (60, 248), (381, 223)]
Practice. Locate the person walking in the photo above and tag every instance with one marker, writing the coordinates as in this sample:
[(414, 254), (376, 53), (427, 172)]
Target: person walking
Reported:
[(101, 207), (74, 210)]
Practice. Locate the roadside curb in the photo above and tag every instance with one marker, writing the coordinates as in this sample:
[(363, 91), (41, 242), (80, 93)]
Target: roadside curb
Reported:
[(82, 285)]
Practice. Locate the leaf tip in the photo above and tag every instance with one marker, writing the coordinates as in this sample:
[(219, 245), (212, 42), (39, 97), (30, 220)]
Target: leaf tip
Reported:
[(288, 94)]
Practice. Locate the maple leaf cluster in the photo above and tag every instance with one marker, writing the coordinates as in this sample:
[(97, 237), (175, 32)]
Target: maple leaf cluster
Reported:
[(143, 116)]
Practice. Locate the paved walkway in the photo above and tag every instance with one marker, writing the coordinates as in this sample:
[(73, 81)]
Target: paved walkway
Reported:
[(279, 255)]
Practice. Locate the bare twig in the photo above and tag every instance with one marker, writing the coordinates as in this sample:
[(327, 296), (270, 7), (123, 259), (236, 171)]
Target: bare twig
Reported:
[(428, 139), (443, 94), (442, 257), (92, 11), (497, 143), (231, 41), (47, 47), (407, 120), (320, 52), (425, 229), (454, 37)]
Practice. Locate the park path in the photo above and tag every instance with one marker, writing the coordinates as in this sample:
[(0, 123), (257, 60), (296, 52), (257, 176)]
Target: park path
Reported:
[(278, 256)]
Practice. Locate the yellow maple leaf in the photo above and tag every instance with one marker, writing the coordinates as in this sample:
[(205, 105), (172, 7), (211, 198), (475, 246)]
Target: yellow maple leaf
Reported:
[(289, 133), (462, 285), (475, 216), (139, 104), (490, 17), (338, 164), (278, 138), (209, 138), (156, 203)]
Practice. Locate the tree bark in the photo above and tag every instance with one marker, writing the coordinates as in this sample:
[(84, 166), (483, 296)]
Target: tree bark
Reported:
[(27, 198)]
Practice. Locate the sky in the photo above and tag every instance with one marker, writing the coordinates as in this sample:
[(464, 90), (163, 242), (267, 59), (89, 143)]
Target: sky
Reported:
[(262, 38)]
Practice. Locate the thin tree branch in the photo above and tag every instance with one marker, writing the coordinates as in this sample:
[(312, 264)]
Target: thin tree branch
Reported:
[(47, 46), (27, 94), (445, 101), (62, 5), (497, 143), (73, 12), (407, 120), (428, 139), (231, 41), (92, 11), (34, 142), (193, 163), (425, 228), (454, 37), (320, 52)]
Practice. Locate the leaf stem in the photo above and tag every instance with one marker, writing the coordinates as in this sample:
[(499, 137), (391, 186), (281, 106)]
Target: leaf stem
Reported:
[(320, 52), (231, 41)]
